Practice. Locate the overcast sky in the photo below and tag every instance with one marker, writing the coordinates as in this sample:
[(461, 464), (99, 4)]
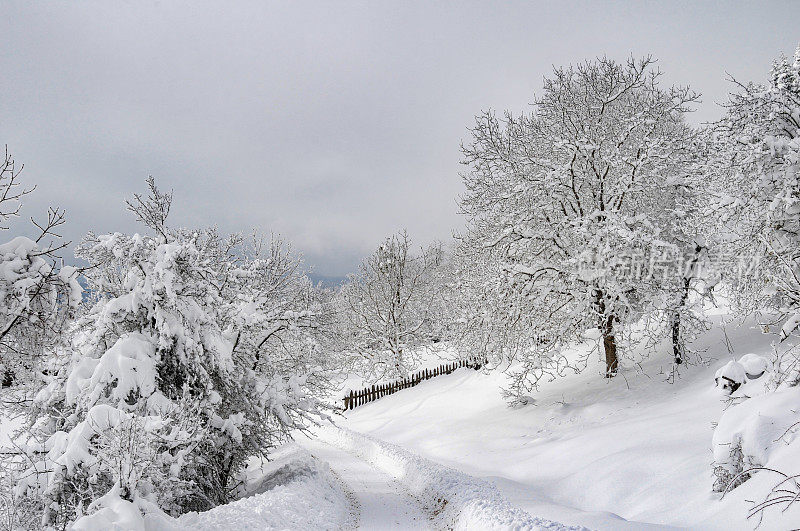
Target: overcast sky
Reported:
[(333, 124)]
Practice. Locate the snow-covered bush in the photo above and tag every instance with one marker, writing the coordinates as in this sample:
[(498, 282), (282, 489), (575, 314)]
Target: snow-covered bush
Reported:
[(730, 377), (37, 293), (754, 365), (293, 491), (171, 381), (749, 432)]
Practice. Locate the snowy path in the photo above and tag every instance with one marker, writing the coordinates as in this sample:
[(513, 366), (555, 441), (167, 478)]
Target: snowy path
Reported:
[(379, 501)]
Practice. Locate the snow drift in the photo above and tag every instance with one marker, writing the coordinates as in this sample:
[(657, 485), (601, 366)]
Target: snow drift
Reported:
[(295, 491)]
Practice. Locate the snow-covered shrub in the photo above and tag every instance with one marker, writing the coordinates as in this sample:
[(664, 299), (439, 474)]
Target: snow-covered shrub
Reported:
[(754, 365), (37, 293), (15, 513), (112, 512), (169, 383), (293, 491), (734, 374), (749, 432), (730, 376)]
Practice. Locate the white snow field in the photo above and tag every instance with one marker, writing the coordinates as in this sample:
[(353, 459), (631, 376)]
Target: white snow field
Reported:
[(379, 501), (634, 452)]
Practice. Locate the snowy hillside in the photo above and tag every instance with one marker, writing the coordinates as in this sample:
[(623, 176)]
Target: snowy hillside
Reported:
[(586, 451)]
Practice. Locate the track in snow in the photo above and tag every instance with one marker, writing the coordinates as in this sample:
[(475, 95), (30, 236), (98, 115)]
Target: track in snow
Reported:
[(381, 502)]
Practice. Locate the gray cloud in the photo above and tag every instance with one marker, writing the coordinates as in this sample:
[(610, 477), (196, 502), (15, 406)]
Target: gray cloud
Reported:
[(333, 124)]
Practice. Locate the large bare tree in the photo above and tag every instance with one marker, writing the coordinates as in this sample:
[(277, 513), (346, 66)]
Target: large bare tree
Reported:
[(568, 202)]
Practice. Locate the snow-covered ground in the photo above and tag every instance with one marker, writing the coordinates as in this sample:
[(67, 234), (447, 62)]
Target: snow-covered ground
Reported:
[(379, 501), (634, 452), (421, 493)]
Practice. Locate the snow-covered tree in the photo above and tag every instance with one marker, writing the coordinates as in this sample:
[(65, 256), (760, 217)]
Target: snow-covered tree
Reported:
[(173, 380), (690, 252), (387, 306), (568, 201), (757, 182), (37, 293)]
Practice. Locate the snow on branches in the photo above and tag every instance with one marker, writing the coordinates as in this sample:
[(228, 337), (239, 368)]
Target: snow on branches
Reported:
[(389, 307), (200, 353), (570, 202), (37, 293), (757, 180)]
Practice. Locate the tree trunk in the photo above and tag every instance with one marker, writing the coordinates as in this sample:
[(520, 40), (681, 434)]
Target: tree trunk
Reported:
[(677, 341), (607, 330), (610, 347), (397, 353)]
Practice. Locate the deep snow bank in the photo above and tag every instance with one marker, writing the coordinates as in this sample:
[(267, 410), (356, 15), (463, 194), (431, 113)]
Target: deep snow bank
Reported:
[(298, 492), (454, 500), (294, 491)]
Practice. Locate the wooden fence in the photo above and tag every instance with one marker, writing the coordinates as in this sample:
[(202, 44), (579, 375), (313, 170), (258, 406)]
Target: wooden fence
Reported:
[(368, 394)]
